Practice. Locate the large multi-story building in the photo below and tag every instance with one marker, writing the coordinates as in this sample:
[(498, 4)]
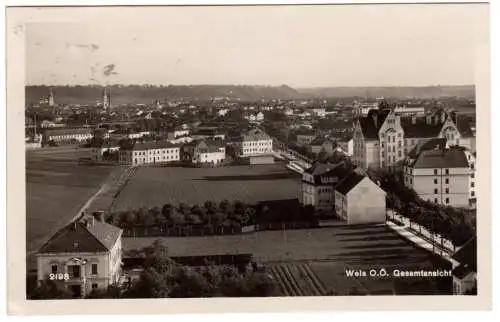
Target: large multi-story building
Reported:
[(83, 256), (255, 142), (441, 175), (383, 138), (317, 187), (149, 153), (67, 135)]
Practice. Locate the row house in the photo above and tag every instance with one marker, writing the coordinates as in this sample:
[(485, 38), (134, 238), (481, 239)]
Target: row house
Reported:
[(68, 135), (149, 153), (441, 175), (204, 152), (383, 139), (83, 256)]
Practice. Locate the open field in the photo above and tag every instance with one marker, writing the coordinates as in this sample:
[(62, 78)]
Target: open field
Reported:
[(314, 261), (156, 186), (56, 188)]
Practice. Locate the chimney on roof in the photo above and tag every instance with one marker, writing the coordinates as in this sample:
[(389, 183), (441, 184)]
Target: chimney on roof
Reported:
[(99, 215)]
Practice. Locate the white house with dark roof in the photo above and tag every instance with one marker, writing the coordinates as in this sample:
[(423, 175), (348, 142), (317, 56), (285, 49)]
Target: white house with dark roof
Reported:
[(255, 142), (149, 153), (83, 256), (204, 152), (440, 175), (359, 200)]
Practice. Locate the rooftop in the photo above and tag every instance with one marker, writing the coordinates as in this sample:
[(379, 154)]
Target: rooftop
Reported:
[(349, 182), (443, 158), (84, 235)]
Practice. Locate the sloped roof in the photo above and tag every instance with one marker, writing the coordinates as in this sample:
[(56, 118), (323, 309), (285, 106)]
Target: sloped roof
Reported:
[(462, 271), (369, 127), (321, 168), (151, 145), (467, 254), (420, 129), (56, 132), (349, 182), (447, 158), (255, 135), (435, 143), (82, 238), (464, 127)]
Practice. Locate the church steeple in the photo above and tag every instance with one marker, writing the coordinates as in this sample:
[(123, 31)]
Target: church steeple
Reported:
[(51, 98)]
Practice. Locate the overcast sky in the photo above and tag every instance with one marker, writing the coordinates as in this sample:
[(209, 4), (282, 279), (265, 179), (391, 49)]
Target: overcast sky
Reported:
[(301, 46)]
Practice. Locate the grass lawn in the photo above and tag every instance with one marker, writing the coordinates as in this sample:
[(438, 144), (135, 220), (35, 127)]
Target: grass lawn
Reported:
[(56, 188), (156, 186)]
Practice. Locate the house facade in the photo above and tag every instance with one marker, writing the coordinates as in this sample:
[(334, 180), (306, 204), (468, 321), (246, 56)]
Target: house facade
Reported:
[(317, 186), (82, 257), (255, 142), (383, 139), (149, 153), (68, 135), (204, 152), (359, 200), (442, 176)]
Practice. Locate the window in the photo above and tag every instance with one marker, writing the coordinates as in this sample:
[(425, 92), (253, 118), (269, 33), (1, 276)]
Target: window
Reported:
[(472, 193), (472, 184), (447, 200), (435, 171), (382, 154), (447, 190), (411, 181), (435, 181), (399, 153), (446, 180), (94, 286), (447, 171), (435, 200), (54, 269), (472, 175), (94, 269), (435, 191)]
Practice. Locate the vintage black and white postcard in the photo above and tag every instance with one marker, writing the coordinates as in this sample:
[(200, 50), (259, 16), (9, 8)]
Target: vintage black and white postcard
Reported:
[(198, 154)]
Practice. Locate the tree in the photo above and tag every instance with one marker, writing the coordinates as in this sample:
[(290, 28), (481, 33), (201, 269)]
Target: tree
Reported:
[(49, 290), (112, 292)]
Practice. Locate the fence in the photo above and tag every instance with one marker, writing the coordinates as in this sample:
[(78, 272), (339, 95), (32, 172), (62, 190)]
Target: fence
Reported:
[(420, 230), (194, 230)]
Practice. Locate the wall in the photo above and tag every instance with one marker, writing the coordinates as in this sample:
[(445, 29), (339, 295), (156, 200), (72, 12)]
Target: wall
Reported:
[(458, 186), (366, 203)]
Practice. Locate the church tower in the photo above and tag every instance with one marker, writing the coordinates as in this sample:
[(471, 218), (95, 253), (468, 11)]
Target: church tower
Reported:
[(51, 98), (106, 100)]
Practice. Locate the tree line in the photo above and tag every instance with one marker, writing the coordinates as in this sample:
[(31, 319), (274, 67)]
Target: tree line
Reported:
[(455, 224), (211, 216)]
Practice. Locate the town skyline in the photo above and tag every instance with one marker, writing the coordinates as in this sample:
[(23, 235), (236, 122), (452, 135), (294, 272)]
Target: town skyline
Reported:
[(302, 47)]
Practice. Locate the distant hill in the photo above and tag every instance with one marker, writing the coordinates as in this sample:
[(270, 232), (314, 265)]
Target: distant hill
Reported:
[(395, 92), (147, 93), (135, 94)]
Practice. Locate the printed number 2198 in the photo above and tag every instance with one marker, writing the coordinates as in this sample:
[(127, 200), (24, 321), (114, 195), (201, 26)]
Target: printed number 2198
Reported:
[(59, 277)]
